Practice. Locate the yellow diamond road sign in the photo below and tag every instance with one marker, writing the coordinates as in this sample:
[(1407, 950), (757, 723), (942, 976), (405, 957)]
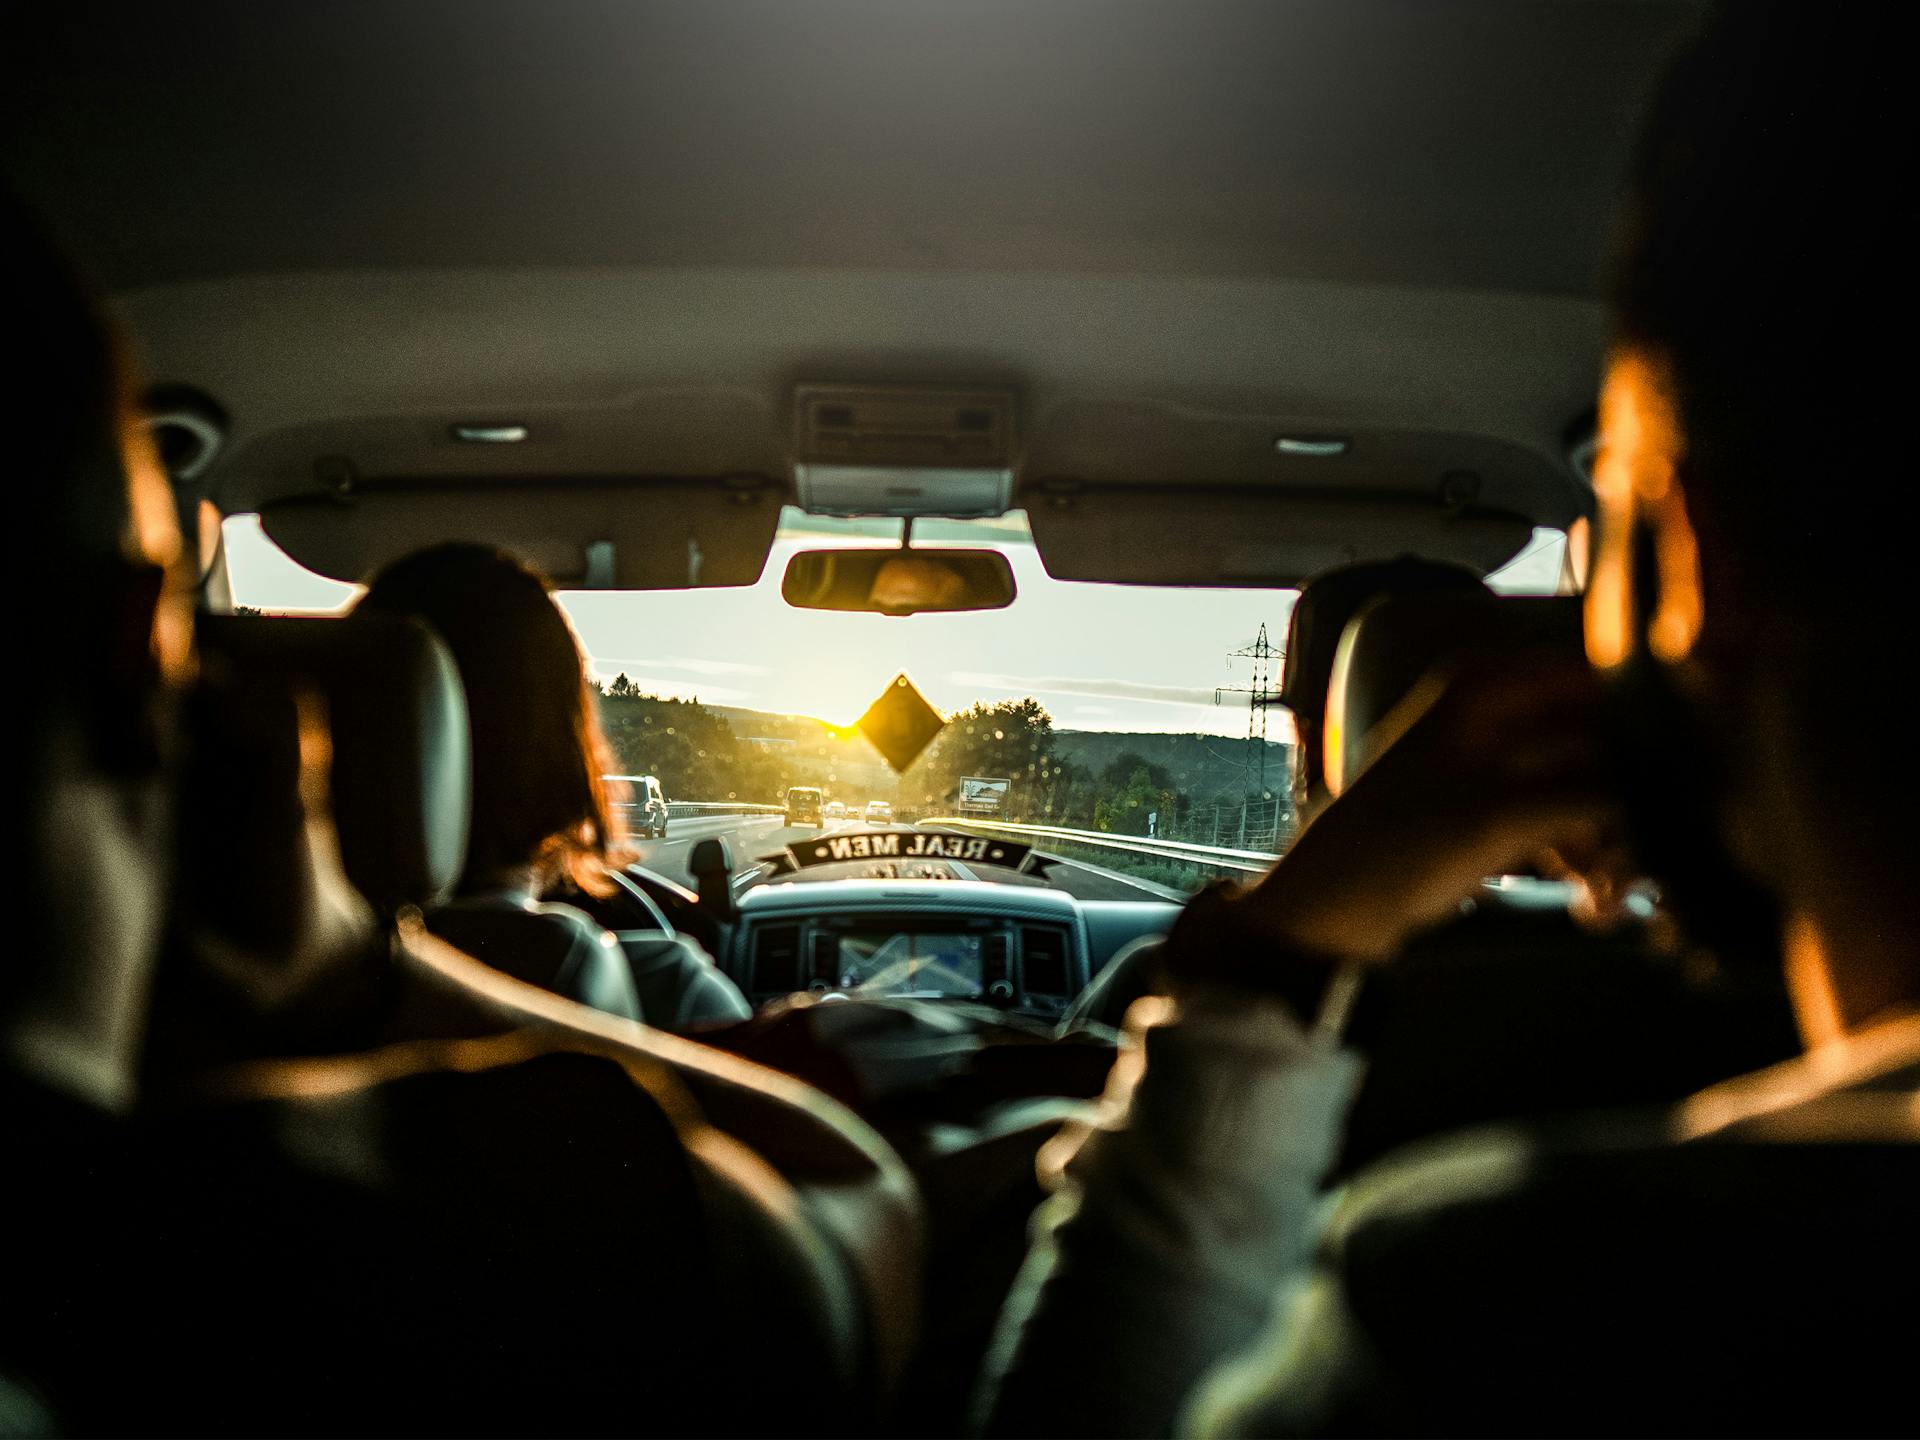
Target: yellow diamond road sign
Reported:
[(900, 724)]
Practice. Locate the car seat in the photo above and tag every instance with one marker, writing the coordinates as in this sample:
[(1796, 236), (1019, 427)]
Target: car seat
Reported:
[(808, 1223)]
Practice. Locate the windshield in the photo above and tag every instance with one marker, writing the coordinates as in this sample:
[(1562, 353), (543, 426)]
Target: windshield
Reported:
[(1096, 718)]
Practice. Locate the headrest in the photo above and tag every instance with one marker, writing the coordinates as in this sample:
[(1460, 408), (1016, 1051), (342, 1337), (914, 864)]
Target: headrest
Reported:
[(402, 776), (1396, 641), (1332, 598), (264, 922), (1320, 615)]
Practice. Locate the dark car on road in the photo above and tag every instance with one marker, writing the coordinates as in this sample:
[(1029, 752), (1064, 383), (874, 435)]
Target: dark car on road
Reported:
[(803, 805)]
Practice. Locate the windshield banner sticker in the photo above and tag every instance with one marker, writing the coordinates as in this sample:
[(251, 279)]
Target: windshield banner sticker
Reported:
[(899, 845)]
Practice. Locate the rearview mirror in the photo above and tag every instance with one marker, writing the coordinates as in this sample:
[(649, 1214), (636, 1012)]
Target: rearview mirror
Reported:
[(899, 582)]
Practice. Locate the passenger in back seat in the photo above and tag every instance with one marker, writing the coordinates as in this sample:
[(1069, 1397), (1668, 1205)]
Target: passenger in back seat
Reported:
[(97, 674), (534, 1231), (541, 817), (1744, 1262)]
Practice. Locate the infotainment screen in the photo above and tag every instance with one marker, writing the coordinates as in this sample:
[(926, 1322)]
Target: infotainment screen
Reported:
[(915, 962)]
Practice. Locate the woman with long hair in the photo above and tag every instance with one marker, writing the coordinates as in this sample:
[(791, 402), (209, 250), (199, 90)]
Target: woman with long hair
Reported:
[(542, 819)]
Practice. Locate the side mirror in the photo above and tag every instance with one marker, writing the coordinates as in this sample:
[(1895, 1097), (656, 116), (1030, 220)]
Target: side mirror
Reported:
[(899, 582), (711, 861)]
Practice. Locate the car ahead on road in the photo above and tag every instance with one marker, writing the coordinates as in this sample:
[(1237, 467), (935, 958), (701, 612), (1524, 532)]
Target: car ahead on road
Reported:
[(803, 805), (836, 810), (878, 812), (645, 805)]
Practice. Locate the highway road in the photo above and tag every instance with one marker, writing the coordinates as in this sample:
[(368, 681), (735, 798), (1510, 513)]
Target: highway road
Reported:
[(747, 835), (751, 836)]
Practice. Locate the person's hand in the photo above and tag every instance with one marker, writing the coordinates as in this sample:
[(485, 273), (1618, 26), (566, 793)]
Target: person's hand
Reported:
[(1490, 771), (1609, 887)]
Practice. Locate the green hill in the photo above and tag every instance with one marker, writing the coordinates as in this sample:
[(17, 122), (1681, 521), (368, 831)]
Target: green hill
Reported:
[(1206, 768)]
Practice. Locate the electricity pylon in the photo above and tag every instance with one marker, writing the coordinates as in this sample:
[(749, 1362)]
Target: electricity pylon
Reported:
[(1260, 696)]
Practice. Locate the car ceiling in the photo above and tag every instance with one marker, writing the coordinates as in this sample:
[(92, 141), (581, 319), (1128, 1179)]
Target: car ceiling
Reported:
[(1177, 229)]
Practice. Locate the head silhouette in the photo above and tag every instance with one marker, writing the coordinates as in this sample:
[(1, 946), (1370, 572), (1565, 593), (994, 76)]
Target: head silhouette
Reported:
[(1754, 518), (97, 665)]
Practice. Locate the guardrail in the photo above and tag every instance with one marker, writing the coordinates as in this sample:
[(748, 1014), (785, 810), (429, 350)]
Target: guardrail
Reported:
[(684, 809), (1209, 858), (687, 809)]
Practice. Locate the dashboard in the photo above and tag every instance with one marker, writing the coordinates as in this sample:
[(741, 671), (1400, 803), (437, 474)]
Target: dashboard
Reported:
[(1017, 947)]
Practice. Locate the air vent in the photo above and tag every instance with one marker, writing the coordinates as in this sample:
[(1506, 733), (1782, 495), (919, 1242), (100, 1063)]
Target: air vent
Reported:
[(776, 960), (1043, 961)]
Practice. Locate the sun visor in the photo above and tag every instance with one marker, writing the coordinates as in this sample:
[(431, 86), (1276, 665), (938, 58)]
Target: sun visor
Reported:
[(584, 535), (1193, 535), (1146, 493)]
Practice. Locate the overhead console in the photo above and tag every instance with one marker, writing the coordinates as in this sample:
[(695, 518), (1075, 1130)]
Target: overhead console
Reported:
[(904, 450)]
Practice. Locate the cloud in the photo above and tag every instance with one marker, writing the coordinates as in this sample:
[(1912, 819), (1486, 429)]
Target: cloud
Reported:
[(1098, 688)]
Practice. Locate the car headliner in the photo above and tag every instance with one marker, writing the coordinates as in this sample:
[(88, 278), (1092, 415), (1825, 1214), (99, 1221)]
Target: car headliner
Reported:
[(1179, 229)]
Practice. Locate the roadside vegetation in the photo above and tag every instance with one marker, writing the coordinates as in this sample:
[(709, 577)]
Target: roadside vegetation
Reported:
[(1175, 786)]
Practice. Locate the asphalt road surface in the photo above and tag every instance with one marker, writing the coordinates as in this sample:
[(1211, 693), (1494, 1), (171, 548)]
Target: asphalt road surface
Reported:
[(751, 836)]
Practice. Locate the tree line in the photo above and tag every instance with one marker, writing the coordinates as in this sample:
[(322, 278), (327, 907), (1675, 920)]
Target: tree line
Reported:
[(698, 755)]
